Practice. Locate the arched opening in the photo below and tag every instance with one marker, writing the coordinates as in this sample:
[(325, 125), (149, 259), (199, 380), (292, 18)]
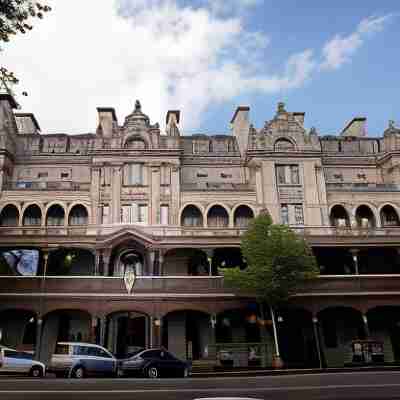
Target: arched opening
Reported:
[(227, 257), (78, 215), (296, 338), (192, 216), (129, 260), (339, 217), (365, 217), (389, 216), (18, 329), (128, 332), (217, 217), (55, 215), (242, 216), (192, 262), (32, 216), (384, 326), (283, 145), (64, 326), (9, 216), (339, 326), (187, 334), (135, 143), (71, 262), (19, 262), (334, 260)]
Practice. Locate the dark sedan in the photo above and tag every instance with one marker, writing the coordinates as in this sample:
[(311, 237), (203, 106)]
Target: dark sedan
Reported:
[(153, 363)]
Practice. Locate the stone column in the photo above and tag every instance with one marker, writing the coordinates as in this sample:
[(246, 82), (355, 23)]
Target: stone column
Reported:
[(175, 195), (366, 326), (149, 270), (102, 331), (211, 349), (210, 253), (354, 253), (39, 326), (116, 182), (106, 256), (154, 217), (157, 328), (95, 195), (93, 328)]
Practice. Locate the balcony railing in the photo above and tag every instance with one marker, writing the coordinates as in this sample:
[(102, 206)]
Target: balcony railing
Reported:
[(110, 285), (201, 285), (349, 284), (47, 185), (363, 187), (177, 231)]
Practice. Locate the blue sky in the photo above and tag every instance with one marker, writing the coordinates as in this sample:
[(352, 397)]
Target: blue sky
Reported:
[(332, 60)]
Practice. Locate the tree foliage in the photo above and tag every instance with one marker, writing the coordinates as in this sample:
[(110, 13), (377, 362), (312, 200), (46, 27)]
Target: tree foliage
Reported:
[(16, 17), (278, 260)]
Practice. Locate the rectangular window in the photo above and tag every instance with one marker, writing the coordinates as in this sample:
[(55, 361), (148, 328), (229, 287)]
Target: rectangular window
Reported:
[(298, 214), (164, 215), (280, 174), (64, 174), (134, 174), (43, 174), (142, 214), (285, 214), (288, 174)]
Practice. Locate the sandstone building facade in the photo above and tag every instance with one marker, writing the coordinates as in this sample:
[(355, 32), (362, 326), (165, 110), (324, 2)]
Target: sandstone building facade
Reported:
[(78, 211)]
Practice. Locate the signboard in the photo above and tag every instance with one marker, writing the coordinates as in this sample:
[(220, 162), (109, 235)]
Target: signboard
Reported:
[(367, 351)]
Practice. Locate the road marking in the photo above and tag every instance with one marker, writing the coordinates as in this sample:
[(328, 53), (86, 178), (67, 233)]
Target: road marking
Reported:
[(199, 390)]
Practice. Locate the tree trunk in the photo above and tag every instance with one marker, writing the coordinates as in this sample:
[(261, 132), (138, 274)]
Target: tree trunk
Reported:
[(276, 360), (263, 332)]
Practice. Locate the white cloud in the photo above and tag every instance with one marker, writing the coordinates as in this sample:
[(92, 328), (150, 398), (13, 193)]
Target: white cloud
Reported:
[(163, 52), (339, 50)]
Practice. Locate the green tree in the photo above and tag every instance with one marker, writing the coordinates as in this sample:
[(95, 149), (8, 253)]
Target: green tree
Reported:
[(16, 17), (278, 262)]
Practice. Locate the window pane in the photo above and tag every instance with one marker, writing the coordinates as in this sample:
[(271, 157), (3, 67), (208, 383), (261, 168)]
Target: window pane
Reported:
[(105, 215), (294, 172), (285, 214), (280, 174), (62, 349), (298, 214), (143, 213)]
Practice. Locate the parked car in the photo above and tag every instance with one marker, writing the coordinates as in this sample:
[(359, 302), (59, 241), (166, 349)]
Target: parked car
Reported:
[(154, 363), (80, 360), (17, 362)]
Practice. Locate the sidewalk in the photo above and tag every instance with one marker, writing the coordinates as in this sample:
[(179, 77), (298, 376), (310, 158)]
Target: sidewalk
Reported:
[(271, 372)]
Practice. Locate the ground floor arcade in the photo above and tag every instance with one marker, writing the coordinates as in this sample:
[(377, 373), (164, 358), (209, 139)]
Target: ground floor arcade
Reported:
[(311, 336)]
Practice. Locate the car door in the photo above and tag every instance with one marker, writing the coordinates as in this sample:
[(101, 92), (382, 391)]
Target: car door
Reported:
[(10, 362), (174, 366), (107, 363)]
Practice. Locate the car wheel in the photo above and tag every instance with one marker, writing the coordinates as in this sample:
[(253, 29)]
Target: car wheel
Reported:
[(152, 372), (78, 372), (36, 372)]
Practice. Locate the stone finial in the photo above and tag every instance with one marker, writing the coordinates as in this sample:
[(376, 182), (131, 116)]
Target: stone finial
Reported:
[(281, 107), (313, 131), (138, 106), (391, 124)]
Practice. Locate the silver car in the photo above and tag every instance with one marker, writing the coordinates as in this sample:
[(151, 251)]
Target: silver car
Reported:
[(80, 360), (14, 362)]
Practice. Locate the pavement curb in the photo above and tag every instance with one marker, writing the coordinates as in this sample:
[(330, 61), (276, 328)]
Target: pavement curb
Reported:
[(280, 372)]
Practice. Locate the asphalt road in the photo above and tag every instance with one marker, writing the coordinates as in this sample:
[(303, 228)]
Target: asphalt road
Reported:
[(338, 386)]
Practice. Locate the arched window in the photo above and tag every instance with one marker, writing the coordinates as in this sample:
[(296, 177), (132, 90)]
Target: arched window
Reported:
[(78, 215), (217, 217), (191, 216), (284, 145), (365, 217), (32, 216), (55, 215), (389, 216), (243, 215), (9, 216), (339, 217)]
